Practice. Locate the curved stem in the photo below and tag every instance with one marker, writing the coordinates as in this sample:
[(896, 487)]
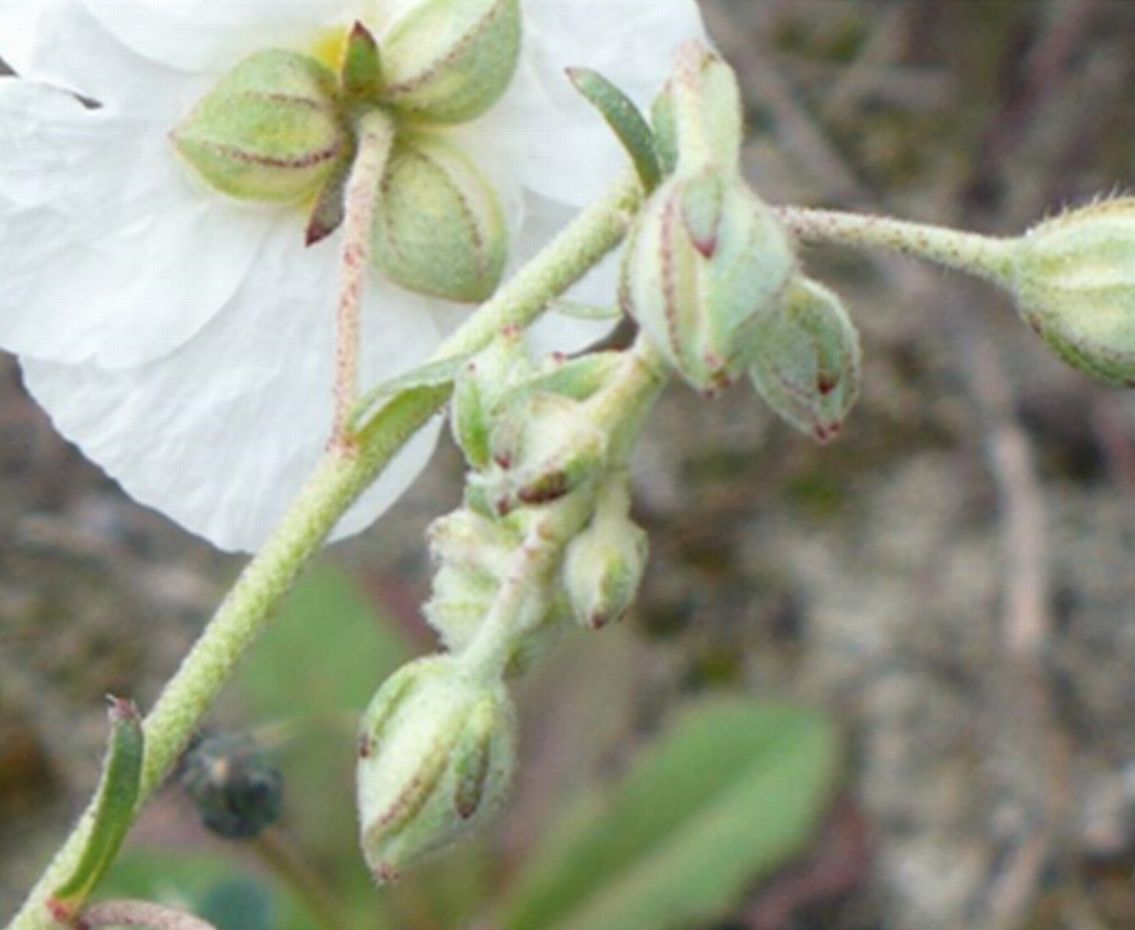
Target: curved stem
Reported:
[(983, 256), (376, 140), (337, 483)]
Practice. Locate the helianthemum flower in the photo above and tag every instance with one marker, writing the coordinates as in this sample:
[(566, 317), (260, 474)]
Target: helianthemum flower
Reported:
[(183, 338)]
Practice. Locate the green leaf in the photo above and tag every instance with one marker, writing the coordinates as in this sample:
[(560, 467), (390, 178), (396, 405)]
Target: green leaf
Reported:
[(578, 311), (730, 793), (217, 888), (433, 374), (625, 119), (114, 809), (239, 904)]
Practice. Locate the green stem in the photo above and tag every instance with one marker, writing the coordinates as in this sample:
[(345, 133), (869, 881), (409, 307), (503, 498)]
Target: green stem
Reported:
[(338, 481), (983, 256)]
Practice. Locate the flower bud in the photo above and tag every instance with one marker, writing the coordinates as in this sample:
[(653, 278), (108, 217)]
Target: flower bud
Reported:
[(697, 118), (806, 365), (477, 392), (1074, 280), (269, 131), (706, 262), (436, 754), (544, 446), (604, 564), (440, 228), (448, 61)]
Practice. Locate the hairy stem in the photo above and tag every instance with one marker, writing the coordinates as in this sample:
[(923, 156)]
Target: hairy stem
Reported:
[(983, 256), (337, 483), (376, 139)]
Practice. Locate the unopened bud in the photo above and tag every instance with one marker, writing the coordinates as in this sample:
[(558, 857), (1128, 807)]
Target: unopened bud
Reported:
[(477, 392), (707, 261), (544, 447), (698, 116), (604, 564), (436, 754), (448, 61), (1074, 280), (269, 131), (807, 361), (440, 228)]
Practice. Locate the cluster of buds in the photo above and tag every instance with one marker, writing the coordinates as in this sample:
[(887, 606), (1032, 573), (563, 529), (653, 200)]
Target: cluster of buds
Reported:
[(710, 275), (282, 127), (544, 536), (706, 261)]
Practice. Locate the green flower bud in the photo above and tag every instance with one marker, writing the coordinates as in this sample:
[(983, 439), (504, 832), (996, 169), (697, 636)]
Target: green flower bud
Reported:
[(436, 754), (440, 228), (544, 447), (448, 61), (698, 116), (706, 262), (477, 392), (1074, 280), (604, 564), (806, 365), (269, 131)]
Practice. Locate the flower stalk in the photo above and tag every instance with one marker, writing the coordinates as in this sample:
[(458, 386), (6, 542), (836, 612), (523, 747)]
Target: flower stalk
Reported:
[(983, 256), (375, 142), (338, 481)]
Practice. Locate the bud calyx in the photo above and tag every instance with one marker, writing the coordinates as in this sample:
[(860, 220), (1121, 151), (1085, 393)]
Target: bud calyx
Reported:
[(436, 755), (1074, 280)]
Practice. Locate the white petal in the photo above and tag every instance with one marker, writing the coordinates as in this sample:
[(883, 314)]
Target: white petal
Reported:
[(110, 253), (563, 148), (555, 332), (211, 35), (58, 42), (221, 435)]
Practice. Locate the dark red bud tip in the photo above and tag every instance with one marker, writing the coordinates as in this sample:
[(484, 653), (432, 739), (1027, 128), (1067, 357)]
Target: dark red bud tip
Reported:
[(365, 746), (706, 246), (120, 709), (466, 807), (827, 433), (545, 489), (385, 873), (598, 620), (360, 33), (61, 913), (825, 385), (316, 232)]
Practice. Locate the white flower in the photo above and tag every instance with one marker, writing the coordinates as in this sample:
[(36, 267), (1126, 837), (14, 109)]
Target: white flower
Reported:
[(185, 341)]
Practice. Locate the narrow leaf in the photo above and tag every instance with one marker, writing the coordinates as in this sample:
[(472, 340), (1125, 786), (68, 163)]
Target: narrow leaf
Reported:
[(729, 794), (114, 809), (432, 374), (578, 311), (624, 118)]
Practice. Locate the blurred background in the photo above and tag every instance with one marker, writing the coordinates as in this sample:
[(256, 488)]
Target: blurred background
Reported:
[(927, 628)]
